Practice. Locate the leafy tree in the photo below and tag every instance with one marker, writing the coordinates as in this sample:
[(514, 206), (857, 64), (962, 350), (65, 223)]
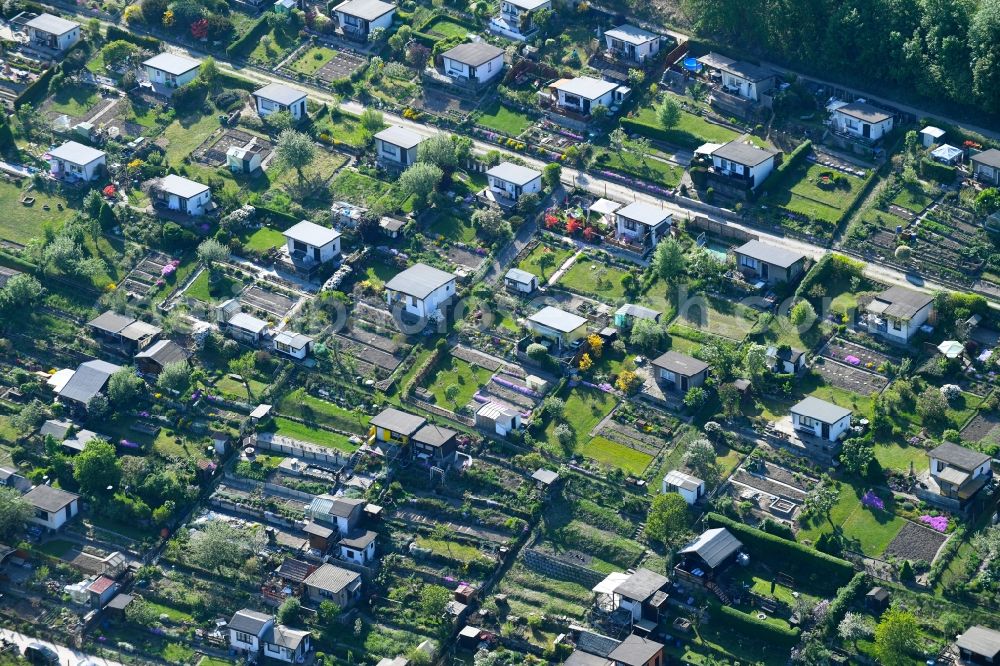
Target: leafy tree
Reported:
[(296, 150), (695, 398), (279, 121), (491, 224), (211, 252), (987, 201), (896, 638), (628, 382), (328, 612), (585, 362), (821, 500), (175, 376), (802, 313), (755, 360), (699, 457), (668, 259), (647, 335), (855, 626), (244, 366), (372, 120), (29, 418), (565, 435), (547, 260), (119, 53), (434, 601), (554, 407), (209, 71), (729, 397), (618, 138), (856, 455), (289, 611), (140, 613), (419, 181), (596, 344), (97, 467), (668, 113), (667, 519), (438, 150), (14, 514), (552, 175), (451, 393), (218, 544), (932, 407), (125, 387)]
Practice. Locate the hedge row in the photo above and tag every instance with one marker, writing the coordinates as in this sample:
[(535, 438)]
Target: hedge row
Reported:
[(748, 625), (788, 164), (230, 81), (810, 568), (249, 41), (829, 270), (115, 33), (942, 173), (277, 218), (37, 91), (845, 597), (672, 136)]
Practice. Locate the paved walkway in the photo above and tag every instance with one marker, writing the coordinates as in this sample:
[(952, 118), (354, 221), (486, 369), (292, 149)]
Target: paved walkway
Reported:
[(67, 656)]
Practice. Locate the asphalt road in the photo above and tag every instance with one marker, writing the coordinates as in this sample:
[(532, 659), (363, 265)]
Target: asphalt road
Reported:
[(67, 656)]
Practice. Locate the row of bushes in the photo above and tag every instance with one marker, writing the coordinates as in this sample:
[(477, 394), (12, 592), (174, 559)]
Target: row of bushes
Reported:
[(788, 164), (845, 597), (38, 90), (249, 41), (115, 33), (673, 137), (936, 171), (832, 269), (814, 570), (748, 625)]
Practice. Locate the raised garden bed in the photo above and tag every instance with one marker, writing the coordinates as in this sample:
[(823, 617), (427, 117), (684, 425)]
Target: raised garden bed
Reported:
[(915, 542)]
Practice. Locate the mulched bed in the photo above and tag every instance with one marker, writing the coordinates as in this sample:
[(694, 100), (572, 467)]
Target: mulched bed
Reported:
[(783, 475), (275, 304), (475, 358), (850, 378), (914, 542), (869, 358), (341, 66), (767, 486), (984, 427)]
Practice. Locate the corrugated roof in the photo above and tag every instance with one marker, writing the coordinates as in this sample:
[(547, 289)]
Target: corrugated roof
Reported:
[(980, 640), (247, 322), (138, 330), (557, 319), (714, 546), (638, 312), (332, 579), (249, 621), (285, 637), (419, 280), (88, 380), (518, 275), (164, 352), (682, 480)]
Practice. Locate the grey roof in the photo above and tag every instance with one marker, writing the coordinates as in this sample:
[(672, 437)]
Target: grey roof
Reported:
[(714, 546), (285, 637), (164, 352), (359, 540), (368, 10), (110, 322), (249, 621), (636, 651), (171, 63), (49, 499), (6, 274), (419, 280), (641, 585), (586, 87), (514, 173), (397, 420), (181, 186), (638, 312), (294, 570), (56, 428), (280, 93), (518, 275), (770, 254), (715, 61), (743, 153), (54, 25), (316, 529), (392, 224), (400, 136), (593, 643), (864, 111), (682, 480), (139, 330), (292, 339), (980, 640), (581, 658), (312, 234), (247, 322), (529, 4), (821, 410), (434, 435), (632, 34), (902, 303), (747, 71), (989, 157), (77, 153), (644, 213), (473, 53), (120, 601), (332, 579), (557, 319), (545, 476), (785, 354), (88, 380), (959, 456), (682, 364)]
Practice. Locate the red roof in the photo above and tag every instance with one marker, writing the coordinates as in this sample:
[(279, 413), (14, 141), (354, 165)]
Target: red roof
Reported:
[(101, 585)]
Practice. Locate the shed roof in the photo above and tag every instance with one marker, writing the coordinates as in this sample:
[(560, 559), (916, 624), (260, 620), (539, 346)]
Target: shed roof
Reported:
[(638, 312), (631, 34), (311, 233), (285, 637), (292, 339), (164, 352), (900, 302), (57, 428), (280, 93), (743, 153), (249, 621), (545, 476), (821, 410), (247, 322), (473, 54), (419, 280), (770, 254), (359, 539), (368, 10), (88, 380), (139, 330), (586, 87), (77, 153), (682, 364), (171, 63), (641, 585), (294, 570), (714, 546), (959, 456), (54, 25), (636, 651), (434, 435), (989, 157), (120, 601), (181, 186), (980, 640), (518, 275), (557, 319), (6, 274), (400, 136), (110, 322), (644, 213), (514, 173), (332, 579), (397, 420), (747, 71), (49, 499), (682, 480), (864, 111)]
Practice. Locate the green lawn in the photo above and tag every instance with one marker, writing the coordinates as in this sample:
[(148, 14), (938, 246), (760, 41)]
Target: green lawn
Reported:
[(304, 433), (357, 188), (499, 118), (343, 127), (814, 385), (651, 169), (274, 45), (901, 456), (75, 99), (595, 277), (719, 317), (56, 547), (869, 530), (214, 661), (585, 407), (455, 372), (313, 59), (263, 240), (459, 551), (314, 410), (454, 227), (690, 132), (185, 134), (614, 454), (176, 616), (237, 390), (20, 223), (803, 194), (531, 263), (225, 287), (447, 28), (913, 198)]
